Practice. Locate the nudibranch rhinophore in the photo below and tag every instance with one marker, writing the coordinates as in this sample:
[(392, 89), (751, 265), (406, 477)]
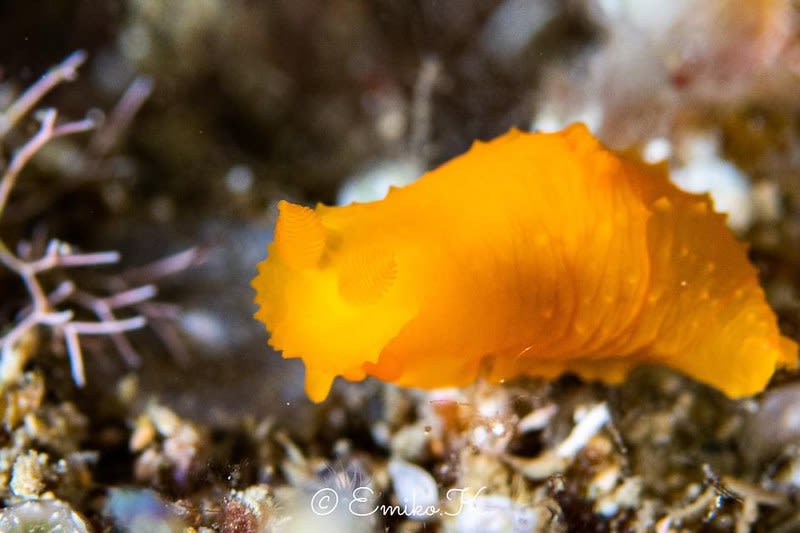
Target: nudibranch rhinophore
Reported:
[(531, 254)]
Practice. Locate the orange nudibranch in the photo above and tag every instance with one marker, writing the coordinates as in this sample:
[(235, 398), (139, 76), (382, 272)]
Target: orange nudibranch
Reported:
[(532, 254)]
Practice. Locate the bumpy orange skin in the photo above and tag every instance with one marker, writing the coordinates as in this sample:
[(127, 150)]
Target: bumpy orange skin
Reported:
[(532, 254)]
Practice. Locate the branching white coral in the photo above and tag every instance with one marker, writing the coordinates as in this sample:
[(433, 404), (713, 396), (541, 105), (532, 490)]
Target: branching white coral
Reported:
[(554, 460), (44, 310)]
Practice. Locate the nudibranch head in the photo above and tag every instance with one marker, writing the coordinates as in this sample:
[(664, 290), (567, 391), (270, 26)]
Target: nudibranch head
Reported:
[(533, 254)]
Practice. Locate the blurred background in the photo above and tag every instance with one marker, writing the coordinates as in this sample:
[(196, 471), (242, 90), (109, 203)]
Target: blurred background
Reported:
[(234, 105), (240, 103)]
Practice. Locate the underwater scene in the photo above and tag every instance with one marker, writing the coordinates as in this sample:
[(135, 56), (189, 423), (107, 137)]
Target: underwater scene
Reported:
[(354, 266)]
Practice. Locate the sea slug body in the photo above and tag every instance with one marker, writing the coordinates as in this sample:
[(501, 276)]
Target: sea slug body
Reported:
[(532, 254)]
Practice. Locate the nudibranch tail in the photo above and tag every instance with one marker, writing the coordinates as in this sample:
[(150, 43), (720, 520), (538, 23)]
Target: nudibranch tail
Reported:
[(532, 254)]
